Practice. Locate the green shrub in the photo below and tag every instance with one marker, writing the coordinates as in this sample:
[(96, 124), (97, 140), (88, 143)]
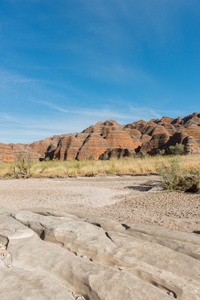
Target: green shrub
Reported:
[(91, 157), (161, 152), (175, 178), (47, 158), (178, 149), (7, 175), (111, 170), (190, 182)]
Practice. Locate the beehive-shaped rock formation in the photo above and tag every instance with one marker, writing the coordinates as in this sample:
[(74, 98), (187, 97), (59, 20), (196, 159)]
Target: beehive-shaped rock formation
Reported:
[(110, 139)]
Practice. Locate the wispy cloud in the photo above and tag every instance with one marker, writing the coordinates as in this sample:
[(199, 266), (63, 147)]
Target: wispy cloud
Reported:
[(143, 21), (21, 128), (144, 113), (102, 112), (9, 118), (29, 130), (55, 107), (121, 74), (10, 79), (124, 111)]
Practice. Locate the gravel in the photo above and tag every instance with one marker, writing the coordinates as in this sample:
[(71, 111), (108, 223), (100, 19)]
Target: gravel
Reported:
[(137, 199)]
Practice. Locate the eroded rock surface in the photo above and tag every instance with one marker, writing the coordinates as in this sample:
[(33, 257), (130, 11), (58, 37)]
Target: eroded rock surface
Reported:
[(64, 256)]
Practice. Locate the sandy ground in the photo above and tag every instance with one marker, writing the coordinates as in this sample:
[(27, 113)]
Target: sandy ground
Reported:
[(138, 199)]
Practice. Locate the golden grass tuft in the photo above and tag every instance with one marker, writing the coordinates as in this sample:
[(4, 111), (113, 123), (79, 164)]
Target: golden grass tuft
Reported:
[(126, 166)]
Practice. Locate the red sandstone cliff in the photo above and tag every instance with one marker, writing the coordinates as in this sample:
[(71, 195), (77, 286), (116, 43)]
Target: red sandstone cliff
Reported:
[(110, 139)]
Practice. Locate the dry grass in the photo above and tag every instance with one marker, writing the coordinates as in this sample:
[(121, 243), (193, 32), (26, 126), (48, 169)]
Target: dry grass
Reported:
[(6, 169), (126, 166)]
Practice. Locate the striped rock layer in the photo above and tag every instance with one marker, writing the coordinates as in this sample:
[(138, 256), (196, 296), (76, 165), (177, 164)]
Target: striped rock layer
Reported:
[(110, 139)]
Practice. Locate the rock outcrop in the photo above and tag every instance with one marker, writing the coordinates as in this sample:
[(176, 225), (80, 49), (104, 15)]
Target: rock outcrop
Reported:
[(6, 153), (110, 139), (116, 153), (10, 152), (60, 255)]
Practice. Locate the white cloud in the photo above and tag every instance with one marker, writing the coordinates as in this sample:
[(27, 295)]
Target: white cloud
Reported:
[(20, 128), (55, 107), (9, 118), (103, 112), (144, 113), (10, 78), (120, 73)]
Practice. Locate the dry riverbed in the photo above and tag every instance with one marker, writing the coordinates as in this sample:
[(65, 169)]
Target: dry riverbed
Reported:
[(139, 199)]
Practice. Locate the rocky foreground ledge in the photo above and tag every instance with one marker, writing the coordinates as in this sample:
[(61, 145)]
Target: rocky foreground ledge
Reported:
[(63, 256)]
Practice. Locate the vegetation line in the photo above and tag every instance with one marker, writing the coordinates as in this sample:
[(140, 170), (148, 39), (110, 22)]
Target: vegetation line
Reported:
[(177, 172)]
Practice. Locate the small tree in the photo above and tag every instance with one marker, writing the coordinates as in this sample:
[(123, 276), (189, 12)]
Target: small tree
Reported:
[(23, 165)]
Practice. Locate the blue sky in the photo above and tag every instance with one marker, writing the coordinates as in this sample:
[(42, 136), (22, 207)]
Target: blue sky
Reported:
[(67, 64)]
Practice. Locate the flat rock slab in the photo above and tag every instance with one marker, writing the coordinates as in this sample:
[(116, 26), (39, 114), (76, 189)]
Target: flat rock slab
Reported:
[(58, 255)]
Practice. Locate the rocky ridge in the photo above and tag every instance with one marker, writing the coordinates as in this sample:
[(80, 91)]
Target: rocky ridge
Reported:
[(86, 257), (109, 139)]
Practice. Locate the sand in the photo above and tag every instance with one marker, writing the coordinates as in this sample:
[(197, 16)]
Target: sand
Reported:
[(139, 199)]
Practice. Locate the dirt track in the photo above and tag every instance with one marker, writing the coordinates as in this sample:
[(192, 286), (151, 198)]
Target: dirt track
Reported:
[(139, 199)]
